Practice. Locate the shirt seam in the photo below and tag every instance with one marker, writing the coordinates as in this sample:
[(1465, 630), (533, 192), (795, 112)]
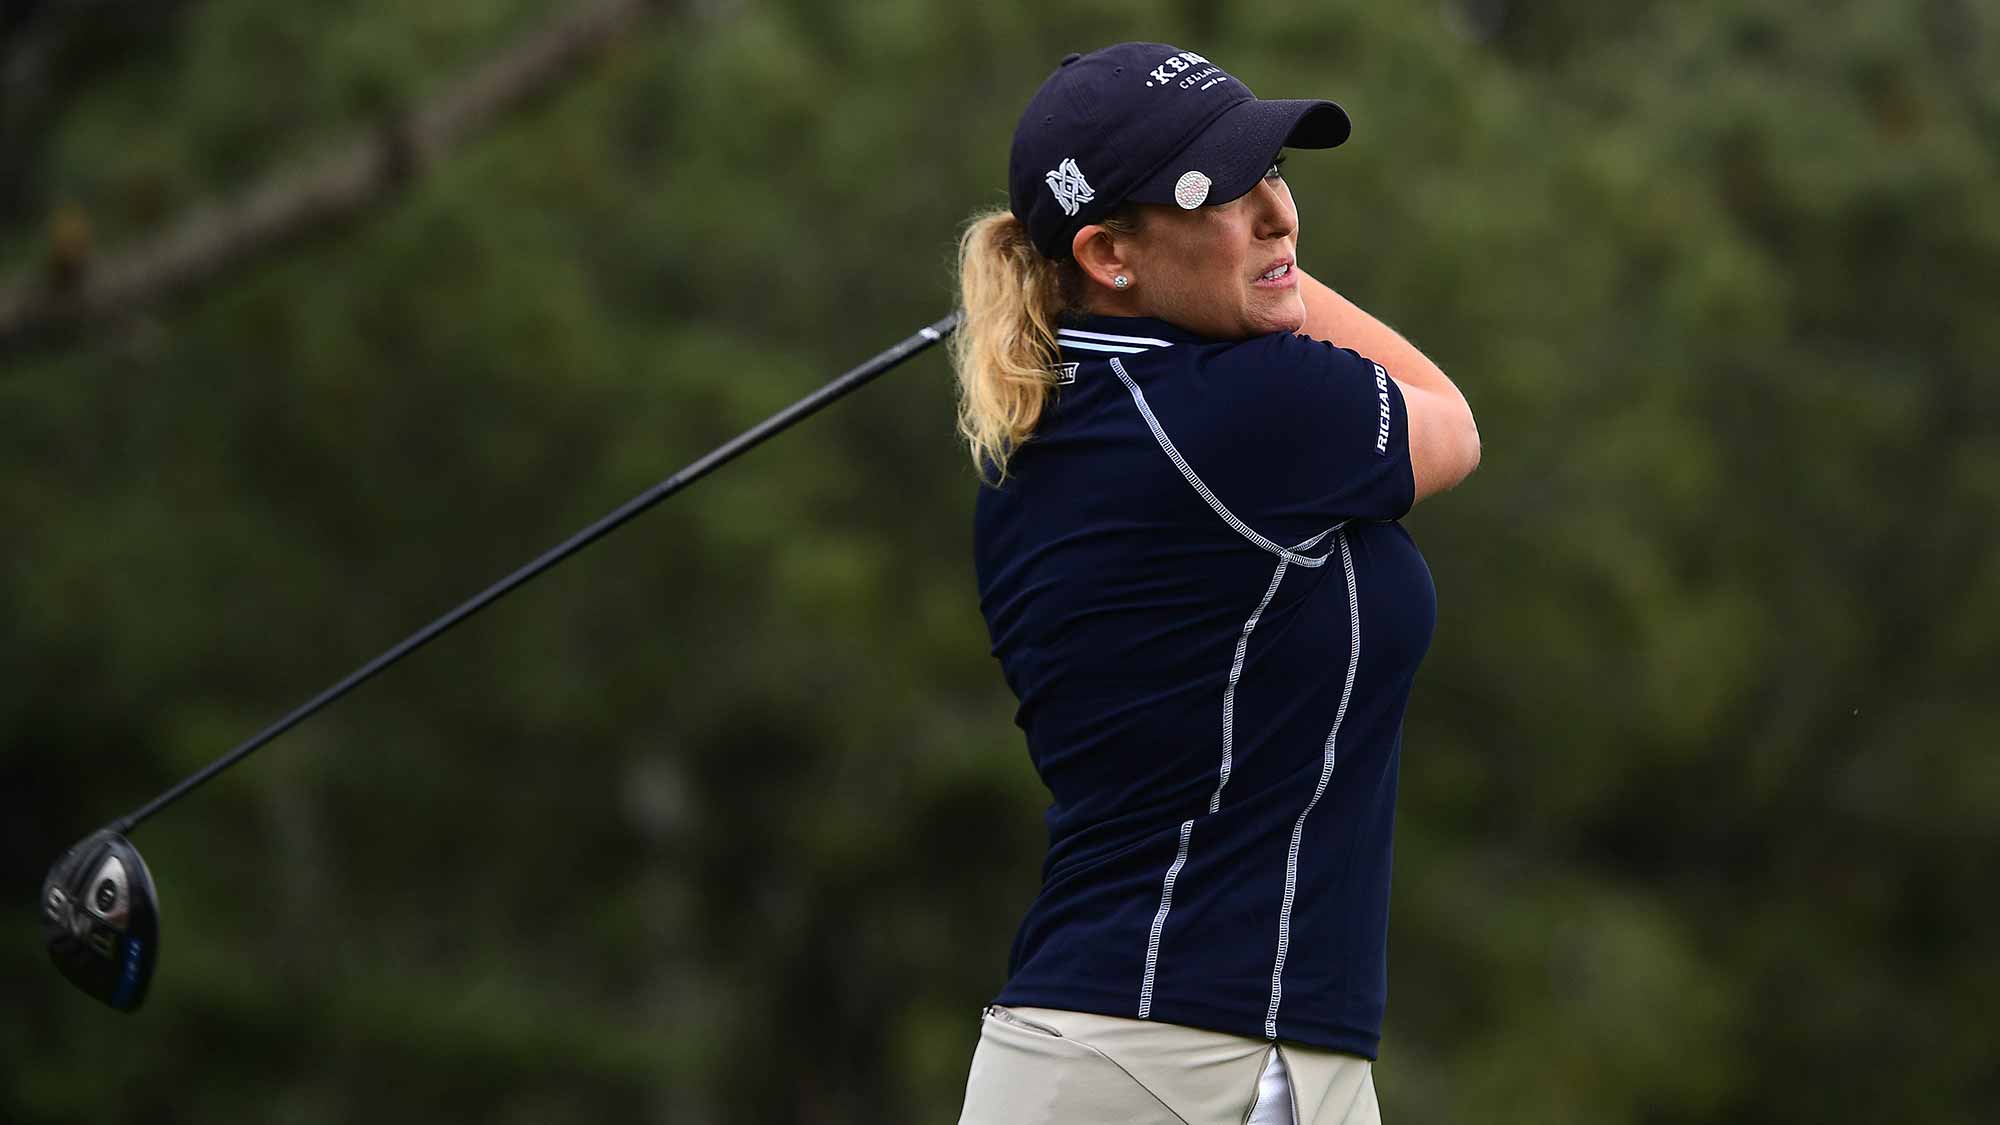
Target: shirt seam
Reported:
[(1214, 502)]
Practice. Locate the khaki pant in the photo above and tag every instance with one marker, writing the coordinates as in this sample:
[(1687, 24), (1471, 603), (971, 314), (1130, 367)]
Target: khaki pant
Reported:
[(1040, 1066)]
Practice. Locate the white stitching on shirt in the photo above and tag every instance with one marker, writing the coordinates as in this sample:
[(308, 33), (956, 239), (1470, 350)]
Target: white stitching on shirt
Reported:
[(1235, 674), (1314, 541), (1215, 801), (1187, 471), (1325, 775), (1285, 557), (1160, 920)]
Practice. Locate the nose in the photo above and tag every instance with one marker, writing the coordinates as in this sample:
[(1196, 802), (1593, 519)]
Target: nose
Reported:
[(1277, 216)]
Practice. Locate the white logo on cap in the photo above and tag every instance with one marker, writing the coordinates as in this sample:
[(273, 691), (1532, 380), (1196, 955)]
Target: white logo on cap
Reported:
[(1070, 188), (1191, 190), (1173, 72)]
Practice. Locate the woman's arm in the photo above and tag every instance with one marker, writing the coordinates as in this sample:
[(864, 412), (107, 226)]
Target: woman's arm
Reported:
[(1444, 440)]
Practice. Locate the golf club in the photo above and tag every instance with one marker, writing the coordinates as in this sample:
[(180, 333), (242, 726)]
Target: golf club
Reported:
[(100, 911)]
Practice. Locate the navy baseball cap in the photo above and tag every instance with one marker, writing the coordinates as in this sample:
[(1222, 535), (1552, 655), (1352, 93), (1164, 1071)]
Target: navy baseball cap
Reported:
[(1149, 123)]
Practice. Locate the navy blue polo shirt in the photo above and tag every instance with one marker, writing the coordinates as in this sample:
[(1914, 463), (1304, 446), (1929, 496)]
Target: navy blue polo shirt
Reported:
[(1197, 588)]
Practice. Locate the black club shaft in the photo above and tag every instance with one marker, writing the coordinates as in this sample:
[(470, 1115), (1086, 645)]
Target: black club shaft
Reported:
[(919, 341)]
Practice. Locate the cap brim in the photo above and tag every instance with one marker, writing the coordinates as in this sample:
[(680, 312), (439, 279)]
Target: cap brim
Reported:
[(1239, 146)]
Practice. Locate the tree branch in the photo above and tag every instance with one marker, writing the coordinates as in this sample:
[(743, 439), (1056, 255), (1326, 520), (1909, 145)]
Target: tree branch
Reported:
[(43, 303)]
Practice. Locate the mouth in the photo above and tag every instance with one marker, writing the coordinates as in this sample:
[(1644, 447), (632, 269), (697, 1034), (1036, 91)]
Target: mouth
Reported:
[(1279, 276)]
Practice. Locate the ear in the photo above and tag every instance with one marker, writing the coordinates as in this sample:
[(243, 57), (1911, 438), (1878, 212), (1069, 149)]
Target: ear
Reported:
[(1099, 254)]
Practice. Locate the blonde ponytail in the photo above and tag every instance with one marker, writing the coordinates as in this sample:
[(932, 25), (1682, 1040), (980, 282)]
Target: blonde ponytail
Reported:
[(1005, 350)]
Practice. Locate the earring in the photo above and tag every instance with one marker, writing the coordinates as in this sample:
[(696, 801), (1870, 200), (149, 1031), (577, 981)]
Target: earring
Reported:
[(1120, 282)]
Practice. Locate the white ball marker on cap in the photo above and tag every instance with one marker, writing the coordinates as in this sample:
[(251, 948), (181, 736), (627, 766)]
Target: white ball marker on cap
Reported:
[(1191, 190)]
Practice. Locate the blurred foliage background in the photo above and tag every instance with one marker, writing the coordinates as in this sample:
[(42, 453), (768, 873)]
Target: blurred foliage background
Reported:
[(726, 820)]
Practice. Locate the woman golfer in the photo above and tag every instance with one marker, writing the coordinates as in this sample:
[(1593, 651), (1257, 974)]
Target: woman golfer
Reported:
[(1190, 565)]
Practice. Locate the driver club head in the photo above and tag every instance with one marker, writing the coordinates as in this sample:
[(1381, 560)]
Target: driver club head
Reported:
[(101, 920)]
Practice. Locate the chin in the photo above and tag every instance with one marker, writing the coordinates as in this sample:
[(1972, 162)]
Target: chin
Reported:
[(1287, 317)]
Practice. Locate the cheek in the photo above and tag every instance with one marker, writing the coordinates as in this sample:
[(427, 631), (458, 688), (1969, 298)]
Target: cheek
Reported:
[(1182, 269)]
